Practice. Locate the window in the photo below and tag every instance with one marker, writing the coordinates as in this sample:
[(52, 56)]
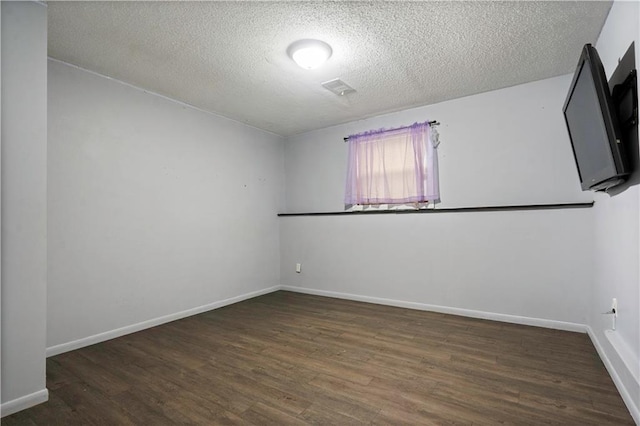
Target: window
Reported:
[(393, 167)]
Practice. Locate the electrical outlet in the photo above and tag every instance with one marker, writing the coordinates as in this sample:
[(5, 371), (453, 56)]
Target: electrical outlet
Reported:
[(298, 267), (614, 306)]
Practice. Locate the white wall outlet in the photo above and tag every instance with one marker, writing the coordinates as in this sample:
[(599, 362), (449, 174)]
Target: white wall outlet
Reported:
[(614, 306), (298, 267)]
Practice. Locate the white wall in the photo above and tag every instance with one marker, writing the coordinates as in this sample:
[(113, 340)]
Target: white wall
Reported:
[(24, 186), (617, 235), (507, 146), (154, 207), (498, 148), (0, 210)]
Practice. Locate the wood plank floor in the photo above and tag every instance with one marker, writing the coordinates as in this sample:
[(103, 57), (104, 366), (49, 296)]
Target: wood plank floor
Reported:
[(287, 358)]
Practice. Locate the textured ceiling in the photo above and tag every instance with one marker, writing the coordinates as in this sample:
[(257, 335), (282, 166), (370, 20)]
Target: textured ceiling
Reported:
[(230, 57)]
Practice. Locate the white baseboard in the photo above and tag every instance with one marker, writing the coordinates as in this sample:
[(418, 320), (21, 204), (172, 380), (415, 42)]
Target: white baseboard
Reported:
[(633, 406), (624, 352), (515, 319), (112, 334), (24, 402)]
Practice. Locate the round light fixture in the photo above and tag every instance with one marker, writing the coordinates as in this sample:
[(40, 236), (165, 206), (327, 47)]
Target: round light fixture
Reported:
[(309, 54)]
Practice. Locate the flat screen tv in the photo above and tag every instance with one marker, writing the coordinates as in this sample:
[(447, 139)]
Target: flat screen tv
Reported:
[(593, 126)]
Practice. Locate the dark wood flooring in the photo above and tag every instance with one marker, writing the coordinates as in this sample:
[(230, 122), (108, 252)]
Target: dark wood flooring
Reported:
[(287, 358)]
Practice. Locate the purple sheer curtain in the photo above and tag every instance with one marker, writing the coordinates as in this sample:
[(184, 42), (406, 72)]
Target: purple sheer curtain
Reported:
[(395, 166)]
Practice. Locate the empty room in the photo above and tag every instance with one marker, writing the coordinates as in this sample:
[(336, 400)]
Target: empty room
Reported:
[(320, 212)]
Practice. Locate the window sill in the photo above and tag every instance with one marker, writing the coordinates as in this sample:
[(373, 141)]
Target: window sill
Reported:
[(449, 210)]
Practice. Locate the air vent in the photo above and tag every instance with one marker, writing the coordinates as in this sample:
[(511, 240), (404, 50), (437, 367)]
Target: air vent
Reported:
[(338, 87)]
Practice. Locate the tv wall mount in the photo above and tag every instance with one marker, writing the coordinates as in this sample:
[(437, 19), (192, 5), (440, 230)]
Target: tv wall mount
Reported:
[(620, 91)]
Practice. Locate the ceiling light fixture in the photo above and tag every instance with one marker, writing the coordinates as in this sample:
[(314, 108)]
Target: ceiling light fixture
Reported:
[(309, 54)]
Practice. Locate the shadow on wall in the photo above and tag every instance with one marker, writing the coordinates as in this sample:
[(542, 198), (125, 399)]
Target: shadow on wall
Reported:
[(630, 134)]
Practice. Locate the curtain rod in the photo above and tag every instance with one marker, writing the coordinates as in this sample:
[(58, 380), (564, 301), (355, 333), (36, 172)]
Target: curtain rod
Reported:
[(432, 123)]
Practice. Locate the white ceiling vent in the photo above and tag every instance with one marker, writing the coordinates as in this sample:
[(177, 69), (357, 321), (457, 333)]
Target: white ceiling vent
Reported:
[(338, 87)]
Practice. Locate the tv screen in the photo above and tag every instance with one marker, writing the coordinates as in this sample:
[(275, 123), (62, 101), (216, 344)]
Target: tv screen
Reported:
[(593, 126)]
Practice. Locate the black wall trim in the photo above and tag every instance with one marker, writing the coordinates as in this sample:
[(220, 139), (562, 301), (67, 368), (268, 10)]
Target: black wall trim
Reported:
[(451, 210)]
